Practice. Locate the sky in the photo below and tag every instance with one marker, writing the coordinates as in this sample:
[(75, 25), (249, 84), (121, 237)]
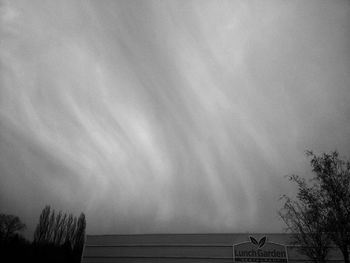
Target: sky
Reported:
[(168, 116)]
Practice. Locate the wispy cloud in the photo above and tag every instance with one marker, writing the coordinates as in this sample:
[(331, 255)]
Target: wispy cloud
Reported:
[(159, 116)]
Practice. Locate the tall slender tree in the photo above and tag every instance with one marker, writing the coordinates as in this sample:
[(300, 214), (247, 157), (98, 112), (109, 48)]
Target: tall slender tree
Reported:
[(80, 233), (59, 228), (41, 231)]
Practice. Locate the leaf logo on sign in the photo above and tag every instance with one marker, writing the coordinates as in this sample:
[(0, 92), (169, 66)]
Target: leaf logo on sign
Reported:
[(259, 244)]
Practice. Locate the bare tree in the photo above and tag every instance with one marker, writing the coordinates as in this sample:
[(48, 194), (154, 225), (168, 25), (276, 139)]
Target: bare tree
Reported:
[(60, 228), (10, 225), (80, 233), (333, 178), (69, 229), (306, 218), (41, 231), (321, 212), (51, 228)]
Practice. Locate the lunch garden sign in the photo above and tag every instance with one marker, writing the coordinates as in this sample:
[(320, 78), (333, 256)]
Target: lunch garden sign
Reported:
[(259, 251)]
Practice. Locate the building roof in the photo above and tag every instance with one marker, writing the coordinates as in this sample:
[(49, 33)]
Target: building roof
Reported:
[(180, 247)]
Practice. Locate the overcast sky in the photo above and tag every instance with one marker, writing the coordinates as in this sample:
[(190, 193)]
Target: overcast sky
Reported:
[(168, 116)]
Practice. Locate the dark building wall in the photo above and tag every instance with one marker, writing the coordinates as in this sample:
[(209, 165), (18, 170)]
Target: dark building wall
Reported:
[(169, 248)]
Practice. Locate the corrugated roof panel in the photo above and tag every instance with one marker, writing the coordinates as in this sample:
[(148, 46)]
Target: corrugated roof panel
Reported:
[(169, 248)]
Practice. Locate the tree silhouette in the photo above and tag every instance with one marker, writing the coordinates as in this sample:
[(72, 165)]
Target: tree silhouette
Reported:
[(306, 218), (42, 231), (322, 210), (333, 177), (10, 225), (80, 233), (61, 230)]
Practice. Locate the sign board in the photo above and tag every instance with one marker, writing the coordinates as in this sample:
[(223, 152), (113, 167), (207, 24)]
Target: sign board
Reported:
[(259, 251)]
